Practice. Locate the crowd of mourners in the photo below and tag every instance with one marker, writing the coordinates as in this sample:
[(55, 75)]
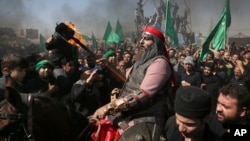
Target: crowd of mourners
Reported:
[(86, 85)]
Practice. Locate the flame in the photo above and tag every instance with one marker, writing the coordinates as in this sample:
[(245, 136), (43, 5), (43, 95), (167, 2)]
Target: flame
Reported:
[(77, 35)]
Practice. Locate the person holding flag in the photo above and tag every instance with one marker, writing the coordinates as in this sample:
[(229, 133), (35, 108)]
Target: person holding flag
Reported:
[(219, 32)]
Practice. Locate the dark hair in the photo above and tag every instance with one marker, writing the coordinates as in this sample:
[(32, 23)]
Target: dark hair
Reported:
[(247, 51), (239, 92), (12, 61), (65, 60), (212, 54), (209, 65), (182, 55)]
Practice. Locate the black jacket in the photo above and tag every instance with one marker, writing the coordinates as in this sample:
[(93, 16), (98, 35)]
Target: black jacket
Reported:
[(173, 134)]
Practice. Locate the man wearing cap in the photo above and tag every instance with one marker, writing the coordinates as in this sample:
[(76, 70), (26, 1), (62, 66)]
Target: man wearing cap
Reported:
[(192, 110), (189, 77), (45, 82), (110, 55), (142, 103)]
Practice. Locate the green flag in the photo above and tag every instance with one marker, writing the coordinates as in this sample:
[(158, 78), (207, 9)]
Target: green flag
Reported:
[(219, 32), (113, 37), (94, 42), (169, 28), (107, 31), (118, 30), (86, 37), (42, 41)]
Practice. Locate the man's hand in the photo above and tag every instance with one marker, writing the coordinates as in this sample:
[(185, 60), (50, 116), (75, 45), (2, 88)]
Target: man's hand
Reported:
[(92, 77), (102, 62), (100, 113), (184, 83), (51, 89)]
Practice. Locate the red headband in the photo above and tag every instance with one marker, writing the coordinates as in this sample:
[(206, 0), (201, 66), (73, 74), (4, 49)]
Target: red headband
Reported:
[(154, 31)]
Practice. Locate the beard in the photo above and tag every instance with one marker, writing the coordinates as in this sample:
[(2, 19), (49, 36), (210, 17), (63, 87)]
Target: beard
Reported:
[(230, 121), (156, 49), (146, 55)]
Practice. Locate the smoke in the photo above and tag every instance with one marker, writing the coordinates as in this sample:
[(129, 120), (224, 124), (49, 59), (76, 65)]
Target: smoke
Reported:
[(12, 13), (93, 15)]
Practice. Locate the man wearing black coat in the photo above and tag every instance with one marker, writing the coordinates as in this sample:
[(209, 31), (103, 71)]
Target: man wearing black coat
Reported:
[(192, 110)]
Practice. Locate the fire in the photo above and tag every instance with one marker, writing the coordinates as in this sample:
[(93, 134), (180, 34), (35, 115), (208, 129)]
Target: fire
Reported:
[(77, 35)]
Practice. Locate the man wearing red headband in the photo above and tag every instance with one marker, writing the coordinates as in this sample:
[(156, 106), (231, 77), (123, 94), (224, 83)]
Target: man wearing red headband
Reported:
[(142, 103)]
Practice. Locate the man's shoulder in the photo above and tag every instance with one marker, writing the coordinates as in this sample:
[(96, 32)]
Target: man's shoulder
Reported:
[(171, 123), (159, 59)]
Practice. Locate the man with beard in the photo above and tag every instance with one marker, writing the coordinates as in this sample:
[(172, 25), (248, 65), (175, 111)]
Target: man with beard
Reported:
[(192, 110), (45, 82), (240, 78), (90, 62), (232, 108), (210, 82), (172, 58), (140, 108), (246, 60)]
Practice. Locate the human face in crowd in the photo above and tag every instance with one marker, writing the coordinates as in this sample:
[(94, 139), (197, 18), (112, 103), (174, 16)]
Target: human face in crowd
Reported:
[(181, 59), (127, 57), (207, 71), (121, 66), (187, 52), (188, 66), (222, 52), (45, 72), (136, 51), (69, 67), (227, 109), (227, 55), (99, 53), (209, 58), (118, 54), (189, 127), (147, 41), (91, 62), (247, 56), (129, 48), (237, 73), (81, 62), (18, 74), (235, 57), (171, 53)]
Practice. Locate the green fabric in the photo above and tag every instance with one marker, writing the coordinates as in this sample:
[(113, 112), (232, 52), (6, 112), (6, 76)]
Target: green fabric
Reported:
[(94, 42), (107, 31), (86, 37), (118, 30), (113, 38), (219, 32), (44, 63), (109, 53), (169, 29), (42, 41)]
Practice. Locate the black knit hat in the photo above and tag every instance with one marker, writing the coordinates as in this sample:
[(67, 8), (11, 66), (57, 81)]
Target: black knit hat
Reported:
[(192, 102)]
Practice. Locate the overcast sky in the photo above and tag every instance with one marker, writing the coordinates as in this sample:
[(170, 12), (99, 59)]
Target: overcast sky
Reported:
[(93, 15)]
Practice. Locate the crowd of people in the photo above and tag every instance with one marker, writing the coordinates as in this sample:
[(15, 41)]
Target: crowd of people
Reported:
[(211, 94)]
